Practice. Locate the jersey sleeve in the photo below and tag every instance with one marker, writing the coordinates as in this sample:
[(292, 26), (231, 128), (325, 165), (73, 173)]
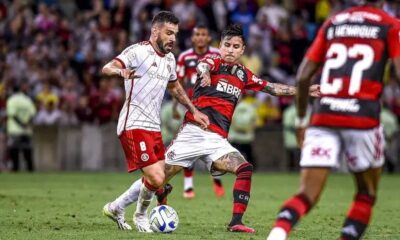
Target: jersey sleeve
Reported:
[(394, 41), (128, 57), (180, 67), (316, 52), (254, 83), (173, 76), (213, 62)]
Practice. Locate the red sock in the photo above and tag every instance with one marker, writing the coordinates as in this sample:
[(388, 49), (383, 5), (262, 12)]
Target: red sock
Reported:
[(241, 192), (188, 172), (291, 212), (149, 186), (358, 217)]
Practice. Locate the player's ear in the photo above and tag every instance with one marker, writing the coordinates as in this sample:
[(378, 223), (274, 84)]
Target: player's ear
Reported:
[(243, 48)]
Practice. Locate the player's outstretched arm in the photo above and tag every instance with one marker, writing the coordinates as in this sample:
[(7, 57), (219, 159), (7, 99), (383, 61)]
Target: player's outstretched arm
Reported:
[(176, 90), (115, 68), (278, 89)]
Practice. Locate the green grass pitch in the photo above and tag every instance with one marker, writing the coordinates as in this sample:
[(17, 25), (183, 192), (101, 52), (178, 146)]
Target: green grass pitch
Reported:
[(69, 205)]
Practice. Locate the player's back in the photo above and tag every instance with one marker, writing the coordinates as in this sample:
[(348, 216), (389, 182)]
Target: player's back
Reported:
[(354, 47)]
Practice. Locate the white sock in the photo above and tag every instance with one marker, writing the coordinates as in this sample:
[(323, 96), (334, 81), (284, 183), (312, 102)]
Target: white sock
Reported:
[(277, 233), (128, 197), (144, 200), (217, 177), (187, 183)]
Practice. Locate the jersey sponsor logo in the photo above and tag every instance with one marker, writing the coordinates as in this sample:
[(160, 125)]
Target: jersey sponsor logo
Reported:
[(341, 105), (358, 17), (144, 157), (356, 31), (154, 64), (224, 86), (321, 152), (155, 75)]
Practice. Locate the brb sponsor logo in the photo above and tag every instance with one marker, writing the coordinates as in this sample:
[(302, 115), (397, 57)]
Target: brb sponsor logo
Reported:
[(224, 86)]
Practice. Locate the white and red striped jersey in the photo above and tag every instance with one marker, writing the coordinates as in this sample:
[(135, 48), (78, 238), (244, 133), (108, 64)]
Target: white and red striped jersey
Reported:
[(144, 95)]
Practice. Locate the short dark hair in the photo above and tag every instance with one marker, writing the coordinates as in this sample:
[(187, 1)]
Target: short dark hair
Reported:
[(234, 30), (201, 25), (165, 17)]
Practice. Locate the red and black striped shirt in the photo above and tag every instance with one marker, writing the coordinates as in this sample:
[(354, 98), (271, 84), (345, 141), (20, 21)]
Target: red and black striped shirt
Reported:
[(218, 101), (354, 46)]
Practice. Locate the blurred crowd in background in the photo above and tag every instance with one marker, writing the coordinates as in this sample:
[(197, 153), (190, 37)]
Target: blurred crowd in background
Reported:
[(53, 50)]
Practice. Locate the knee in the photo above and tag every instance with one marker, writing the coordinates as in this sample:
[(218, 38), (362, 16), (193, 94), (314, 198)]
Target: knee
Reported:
[(245, 167), (156, 179)]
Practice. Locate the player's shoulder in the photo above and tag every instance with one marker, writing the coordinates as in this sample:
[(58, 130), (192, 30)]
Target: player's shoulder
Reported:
[(140, 46), (214, 50), (369, 14), (186, 53)]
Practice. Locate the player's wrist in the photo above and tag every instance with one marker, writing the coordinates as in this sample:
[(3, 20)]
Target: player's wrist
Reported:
[(300, 122)]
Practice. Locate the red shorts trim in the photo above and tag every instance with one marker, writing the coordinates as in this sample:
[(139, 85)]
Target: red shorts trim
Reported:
[(142, 148)]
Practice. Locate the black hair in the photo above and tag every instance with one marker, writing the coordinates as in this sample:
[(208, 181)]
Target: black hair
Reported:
[(165, 17), (201, 25), (234, 30)]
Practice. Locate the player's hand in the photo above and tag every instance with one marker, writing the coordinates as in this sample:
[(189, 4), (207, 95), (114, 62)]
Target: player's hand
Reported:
[(315, 90), (300, 131), (205, 79), (201, 119), (128, 74), (175, 114)]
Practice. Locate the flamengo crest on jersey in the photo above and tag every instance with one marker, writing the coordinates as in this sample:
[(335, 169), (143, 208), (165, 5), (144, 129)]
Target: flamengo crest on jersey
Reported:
[(218, 101), (354, 47), (144, 95)]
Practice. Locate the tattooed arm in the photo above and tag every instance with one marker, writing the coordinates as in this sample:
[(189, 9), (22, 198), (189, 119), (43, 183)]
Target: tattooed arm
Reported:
[(277, 89), (176, 90)]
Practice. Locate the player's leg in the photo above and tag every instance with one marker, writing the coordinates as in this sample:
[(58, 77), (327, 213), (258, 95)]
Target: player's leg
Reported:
[(360, 212), (218, 187), (235, 163), (188, 188), (312, 182), (116, 209), (153, 180), (364, 152), (319, 154), (170, 171)]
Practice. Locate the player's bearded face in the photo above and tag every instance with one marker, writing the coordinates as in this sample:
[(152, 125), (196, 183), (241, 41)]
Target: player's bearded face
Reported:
[(231, 49), (166, 37)]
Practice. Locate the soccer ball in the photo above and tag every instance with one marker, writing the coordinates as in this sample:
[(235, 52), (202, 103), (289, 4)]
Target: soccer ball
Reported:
[(163, 219)]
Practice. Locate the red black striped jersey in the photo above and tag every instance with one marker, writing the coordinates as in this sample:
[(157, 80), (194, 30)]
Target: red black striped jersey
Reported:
[(218, 101), (186, 66), (354, 46)]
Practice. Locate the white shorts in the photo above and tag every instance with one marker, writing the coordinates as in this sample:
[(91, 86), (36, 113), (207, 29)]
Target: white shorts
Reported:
[(193, 143), (363, 149)]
